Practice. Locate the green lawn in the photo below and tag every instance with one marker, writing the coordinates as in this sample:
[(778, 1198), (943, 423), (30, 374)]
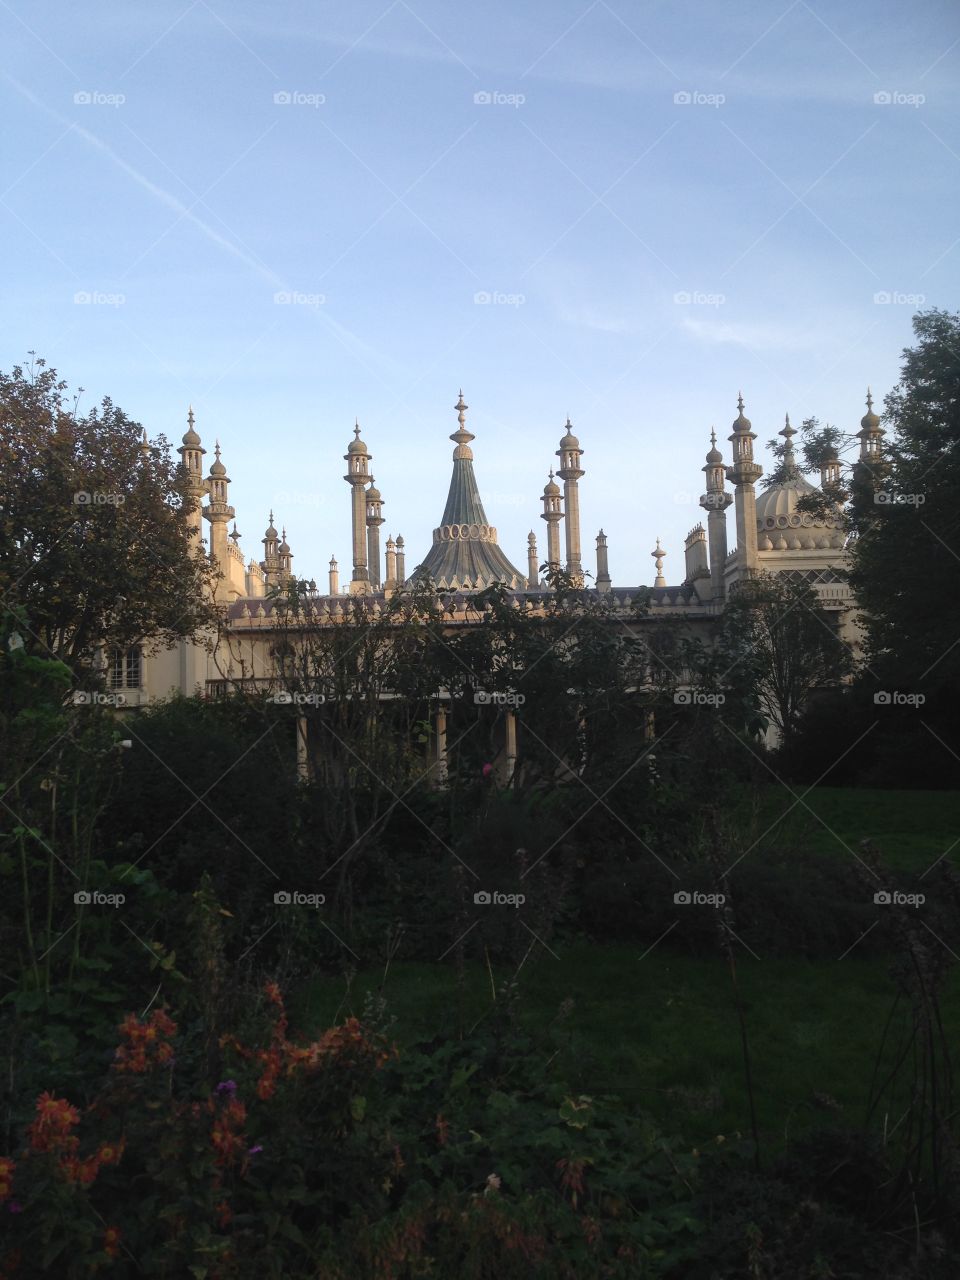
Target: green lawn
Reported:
[(911, 828), (661, 1031)]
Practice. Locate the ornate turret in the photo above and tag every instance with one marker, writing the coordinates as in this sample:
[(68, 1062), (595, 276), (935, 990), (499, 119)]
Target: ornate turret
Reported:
[(374, 521), (270, 564), (604, 581), (334, 577), (465, 553), (286, 558), (570, 472), (533, 562), (744, 473), (553, 514), (829, 469), (191, 458), (357, 459), (871, 435), (715, 502), (390, 581), (219, 513), (401, 561)]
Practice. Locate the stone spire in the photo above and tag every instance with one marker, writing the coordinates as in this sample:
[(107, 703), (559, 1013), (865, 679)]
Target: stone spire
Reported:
[(533, 562), (390, 581), (570, 472), (744, 474), (374, 521), (357, 459), (401, 561), (286, 558), (219, 513), (465, 553), (604, 581), (715, 502), (553, 514), (270, 564), (658, 554), (191, 459), (334, 577)]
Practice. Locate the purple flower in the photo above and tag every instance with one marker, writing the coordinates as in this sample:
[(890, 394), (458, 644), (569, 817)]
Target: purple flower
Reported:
[(227, 1086), (255, 1151)]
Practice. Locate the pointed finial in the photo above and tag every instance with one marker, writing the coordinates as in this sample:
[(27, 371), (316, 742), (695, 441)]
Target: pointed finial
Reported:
[(216, 450), (461, 409), (740, 401), (234, 535), (713, 437), (356, 428), (190, 418), (271, 517), (869, 399), (787, 431)]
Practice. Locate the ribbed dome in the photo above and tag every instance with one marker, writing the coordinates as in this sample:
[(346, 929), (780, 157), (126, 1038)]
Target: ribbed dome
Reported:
[(569, 441), (782, 527), (551, 488), (356, 445)]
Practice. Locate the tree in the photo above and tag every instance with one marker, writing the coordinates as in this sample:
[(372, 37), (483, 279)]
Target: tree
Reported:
[(94, 540), (777, 638), (906, 554)]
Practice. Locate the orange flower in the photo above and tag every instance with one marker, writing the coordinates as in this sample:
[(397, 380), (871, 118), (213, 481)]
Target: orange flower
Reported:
[(141, 1036), (50, 1131), (111, 1241)]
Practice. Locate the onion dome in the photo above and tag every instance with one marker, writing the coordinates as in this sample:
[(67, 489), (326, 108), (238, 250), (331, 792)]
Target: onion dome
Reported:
[(870, 420), (284, 547), (714, 457), (569, 441), (190, 436), (217, 468), (551, 489), (270, 531), (373, 493), (741, 423), (356, 445)]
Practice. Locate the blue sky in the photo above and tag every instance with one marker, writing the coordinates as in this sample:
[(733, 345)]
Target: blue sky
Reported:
[(385, 166)]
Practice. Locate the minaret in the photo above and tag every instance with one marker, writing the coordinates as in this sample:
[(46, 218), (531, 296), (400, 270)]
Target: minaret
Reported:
[(658, 553), (270, 564), (533, 562), (390, 581), (357, 476), (871, 439), (401, 562), (219, 513), (570, 472), (715, 502), (829, 469), (553, 514), (286, 558), (191, 456), (604, 581), (744, 473), (145, 450), (374, 521), (334, 573)]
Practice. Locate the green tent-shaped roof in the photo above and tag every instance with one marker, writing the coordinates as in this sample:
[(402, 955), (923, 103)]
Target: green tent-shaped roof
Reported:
[(465, 552)]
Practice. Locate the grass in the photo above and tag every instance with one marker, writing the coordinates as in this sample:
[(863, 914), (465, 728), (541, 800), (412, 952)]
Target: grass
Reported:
[(911, 828), (661, 1031)]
